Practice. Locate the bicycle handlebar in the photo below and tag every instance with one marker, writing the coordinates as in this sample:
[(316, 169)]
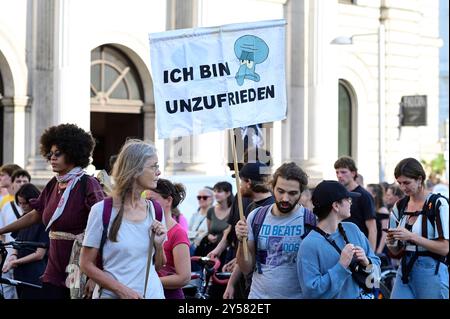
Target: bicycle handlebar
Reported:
[(215, 262), (17, 245), (207, 261), (19, 283), (24, 244), (222, 282)]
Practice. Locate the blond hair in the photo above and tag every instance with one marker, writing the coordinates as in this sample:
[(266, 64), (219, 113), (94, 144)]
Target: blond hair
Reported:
[(127, 168)]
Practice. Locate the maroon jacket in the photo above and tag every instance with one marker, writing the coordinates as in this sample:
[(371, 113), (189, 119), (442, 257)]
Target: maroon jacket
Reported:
[(73, 220)]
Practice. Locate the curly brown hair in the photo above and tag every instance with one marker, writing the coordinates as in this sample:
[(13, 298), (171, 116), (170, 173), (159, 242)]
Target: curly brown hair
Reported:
[(75, 143), (291, 171)]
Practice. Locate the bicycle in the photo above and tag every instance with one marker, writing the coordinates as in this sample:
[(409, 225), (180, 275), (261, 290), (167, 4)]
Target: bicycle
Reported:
[(3, 254), (387, 277), (207, 283)]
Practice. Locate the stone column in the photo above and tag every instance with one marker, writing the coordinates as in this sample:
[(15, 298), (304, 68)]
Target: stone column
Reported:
[(16, 129), (40, 44), (149, 122), (178, 152), (8, 130), (295, 127), (302, 131), (181, 14)]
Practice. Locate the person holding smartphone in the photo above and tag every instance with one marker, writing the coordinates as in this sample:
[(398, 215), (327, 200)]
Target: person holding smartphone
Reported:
[(421, 236)]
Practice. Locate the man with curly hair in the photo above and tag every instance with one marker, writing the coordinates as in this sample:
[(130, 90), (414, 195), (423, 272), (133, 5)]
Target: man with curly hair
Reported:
[(274, 234), (65, 202)]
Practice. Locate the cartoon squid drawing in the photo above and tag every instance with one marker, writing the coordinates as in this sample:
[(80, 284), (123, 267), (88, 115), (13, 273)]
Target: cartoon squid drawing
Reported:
[(250, 50)]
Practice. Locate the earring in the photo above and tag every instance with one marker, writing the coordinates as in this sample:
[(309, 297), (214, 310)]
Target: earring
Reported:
[(420, 187)]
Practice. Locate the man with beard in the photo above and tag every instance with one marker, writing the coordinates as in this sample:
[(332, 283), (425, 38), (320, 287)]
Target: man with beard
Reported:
[(274, 235)]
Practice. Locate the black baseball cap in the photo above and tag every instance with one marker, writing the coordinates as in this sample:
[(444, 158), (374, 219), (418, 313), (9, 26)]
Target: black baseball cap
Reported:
[(328, 192), (255, 171)]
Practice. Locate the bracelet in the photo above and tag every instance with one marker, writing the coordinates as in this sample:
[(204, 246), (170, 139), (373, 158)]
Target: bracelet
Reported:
[(14, 255)]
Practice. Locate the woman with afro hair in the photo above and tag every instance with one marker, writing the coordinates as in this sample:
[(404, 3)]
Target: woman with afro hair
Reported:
[(64, 204)]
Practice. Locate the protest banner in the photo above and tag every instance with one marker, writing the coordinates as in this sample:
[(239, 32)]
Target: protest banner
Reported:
[(217, 78)]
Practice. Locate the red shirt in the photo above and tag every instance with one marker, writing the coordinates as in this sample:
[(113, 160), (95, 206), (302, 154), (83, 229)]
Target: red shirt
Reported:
[(73, 220), (175, 236)]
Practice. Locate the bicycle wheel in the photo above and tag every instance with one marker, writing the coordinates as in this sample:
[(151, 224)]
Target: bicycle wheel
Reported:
[(386, 284)]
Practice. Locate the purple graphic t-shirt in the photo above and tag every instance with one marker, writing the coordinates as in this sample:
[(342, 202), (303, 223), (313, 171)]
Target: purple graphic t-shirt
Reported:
[(278, 243)]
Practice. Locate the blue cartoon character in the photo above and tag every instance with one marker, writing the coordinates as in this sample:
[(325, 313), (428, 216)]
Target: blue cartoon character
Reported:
[(250, 50)]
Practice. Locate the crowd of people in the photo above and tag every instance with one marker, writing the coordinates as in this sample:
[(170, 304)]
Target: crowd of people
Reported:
[(130, 240)]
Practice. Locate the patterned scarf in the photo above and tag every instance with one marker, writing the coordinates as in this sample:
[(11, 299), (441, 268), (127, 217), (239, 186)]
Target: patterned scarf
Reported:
[(71, 179)]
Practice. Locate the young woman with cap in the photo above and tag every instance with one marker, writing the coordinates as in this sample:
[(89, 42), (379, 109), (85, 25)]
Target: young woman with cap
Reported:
[(329, 252)]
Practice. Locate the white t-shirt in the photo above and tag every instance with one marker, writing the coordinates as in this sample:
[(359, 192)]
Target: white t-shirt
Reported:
[(198, 228), (126, 259), (279, 240), (7, 217)]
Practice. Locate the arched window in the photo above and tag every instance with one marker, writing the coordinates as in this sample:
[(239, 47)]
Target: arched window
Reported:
[(116, 102), (115, 83), (345, 132)]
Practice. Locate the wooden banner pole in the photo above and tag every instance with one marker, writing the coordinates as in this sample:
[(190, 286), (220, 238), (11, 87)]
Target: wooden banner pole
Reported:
[(241, 209)]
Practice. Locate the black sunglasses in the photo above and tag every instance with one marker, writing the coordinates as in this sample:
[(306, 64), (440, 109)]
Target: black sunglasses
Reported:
[(50, 154), (203, 197)]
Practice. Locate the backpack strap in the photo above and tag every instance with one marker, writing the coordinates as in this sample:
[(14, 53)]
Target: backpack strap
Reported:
[(309, 216), (257, 222), (327, 238), (158, 210), (106, 217), (199, 224), (430, 211), (437, 206), (16, 212), (158, 216), (401, 206), (426, 211), (309, 222)]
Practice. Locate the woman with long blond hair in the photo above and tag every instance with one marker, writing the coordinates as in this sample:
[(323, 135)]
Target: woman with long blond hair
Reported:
[(125, 252)]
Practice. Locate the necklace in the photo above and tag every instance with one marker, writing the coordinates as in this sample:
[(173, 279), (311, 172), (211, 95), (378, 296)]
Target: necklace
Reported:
[(61, 187)]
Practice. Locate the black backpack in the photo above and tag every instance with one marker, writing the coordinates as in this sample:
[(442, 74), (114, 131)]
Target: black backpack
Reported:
[(430, 211)]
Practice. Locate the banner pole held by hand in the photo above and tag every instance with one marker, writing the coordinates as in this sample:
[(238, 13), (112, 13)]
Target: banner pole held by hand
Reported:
[(241, 209)]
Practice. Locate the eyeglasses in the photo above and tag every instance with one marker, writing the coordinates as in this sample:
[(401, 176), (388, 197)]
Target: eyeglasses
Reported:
[(56, 153), (203, 197), (155, 167), (349, 200)]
